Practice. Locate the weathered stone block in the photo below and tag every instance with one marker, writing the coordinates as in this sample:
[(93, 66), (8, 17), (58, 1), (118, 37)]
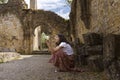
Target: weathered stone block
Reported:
[(81, 55), (111, 46), (8, 56), (83, 59), (113, 70), (95, 63), (111, 51), (94, 50), (82, 50), (92, 39)]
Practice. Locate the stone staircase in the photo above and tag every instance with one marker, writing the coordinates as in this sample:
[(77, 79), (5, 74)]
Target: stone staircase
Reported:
[(40, 52)]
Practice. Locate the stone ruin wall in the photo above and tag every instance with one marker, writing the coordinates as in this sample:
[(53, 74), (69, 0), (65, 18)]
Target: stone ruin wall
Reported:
[(17, 25), (11, 32), (104, 17)]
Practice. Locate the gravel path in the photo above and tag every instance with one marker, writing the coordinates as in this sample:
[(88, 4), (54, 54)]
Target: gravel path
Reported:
[(36, 67)]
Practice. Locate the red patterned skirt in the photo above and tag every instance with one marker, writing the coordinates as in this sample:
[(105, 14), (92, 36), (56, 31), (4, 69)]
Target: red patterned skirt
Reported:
[(62, 61)]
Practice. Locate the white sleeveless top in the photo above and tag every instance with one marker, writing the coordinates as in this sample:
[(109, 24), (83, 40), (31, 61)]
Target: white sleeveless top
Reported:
[(66, 48)]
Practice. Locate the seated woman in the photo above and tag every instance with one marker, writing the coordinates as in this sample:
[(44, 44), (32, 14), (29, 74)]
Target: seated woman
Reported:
[(62, 54)]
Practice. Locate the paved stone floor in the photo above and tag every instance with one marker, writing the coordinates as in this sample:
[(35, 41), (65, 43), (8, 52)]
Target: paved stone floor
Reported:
[(36, 67)]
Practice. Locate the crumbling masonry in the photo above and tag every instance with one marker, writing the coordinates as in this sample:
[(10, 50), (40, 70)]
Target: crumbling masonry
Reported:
[(95, 27), (17, 25)]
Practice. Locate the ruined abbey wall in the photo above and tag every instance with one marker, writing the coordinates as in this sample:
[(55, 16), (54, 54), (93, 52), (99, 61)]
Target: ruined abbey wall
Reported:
[(11, 27), (17, 25), (101, 16), (95, 26), (105, 16), (11, 32)]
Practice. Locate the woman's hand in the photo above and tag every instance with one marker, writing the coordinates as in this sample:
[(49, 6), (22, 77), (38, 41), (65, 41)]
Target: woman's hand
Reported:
[(52, 49), (48, 42), (49, 45)]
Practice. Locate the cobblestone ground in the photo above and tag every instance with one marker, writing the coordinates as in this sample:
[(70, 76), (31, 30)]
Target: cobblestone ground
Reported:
[(36, 67)]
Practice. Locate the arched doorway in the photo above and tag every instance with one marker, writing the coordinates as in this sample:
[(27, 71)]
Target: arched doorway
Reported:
[(41, 21), (39, 40)]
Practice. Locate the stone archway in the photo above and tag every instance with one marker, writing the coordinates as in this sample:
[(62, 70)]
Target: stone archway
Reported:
[(38, 38), (30, 19), (46, 19)]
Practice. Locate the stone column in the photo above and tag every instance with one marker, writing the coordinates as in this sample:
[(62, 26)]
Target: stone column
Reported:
[(33, 4)]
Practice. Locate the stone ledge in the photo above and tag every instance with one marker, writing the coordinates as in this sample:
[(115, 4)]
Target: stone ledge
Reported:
[(8, 56)]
